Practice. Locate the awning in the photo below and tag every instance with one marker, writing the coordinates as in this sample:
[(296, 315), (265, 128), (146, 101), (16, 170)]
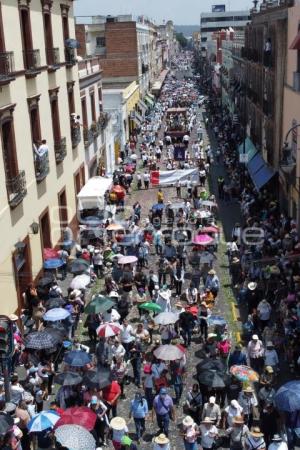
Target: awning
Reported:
[(149, 100), (295, 45), (259, 171), (250, 149), (92, 194), (150, 95), (142, 105)]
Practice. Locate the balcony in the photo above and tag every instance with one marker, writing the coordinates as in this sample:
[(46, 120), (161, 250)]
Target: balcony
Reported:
[(32, 62), (75, 136), (7, 67), (16, 189), (70, 57), (41, 166), (53, 60), (88, 137), (103, 120), (60, 148)]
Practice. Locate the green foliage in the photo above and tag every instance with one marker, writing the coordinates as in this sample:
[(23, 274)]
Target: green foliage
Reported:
[(182, 40)]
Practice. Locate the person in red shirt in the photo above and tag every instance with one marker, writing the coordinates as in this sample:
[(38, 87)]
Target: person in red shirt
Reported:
[(224, 347), (54, 407), (110, 395)]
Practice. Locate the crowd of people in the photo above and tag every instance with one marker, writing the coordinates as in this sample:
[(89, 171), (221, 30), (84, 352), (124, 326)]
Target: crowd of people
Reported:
[(146, 291)]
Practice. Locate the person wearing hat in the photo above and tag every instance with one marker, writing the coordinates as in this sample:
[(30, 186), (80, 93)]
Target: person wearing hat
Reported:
[(232, 411), (271, 356), (277, 443), (266, 393), (163, 407), (237, 433), (212, 282), (235, 271), (264, 310), (194, 402), (190, 433), (248, 401), (208, 432), (161, 442), (253, 296), (139, 411), (99, 430), (212, 411), (237, 357), (255, 440), (256, 353), (267, 377), (119, 429)]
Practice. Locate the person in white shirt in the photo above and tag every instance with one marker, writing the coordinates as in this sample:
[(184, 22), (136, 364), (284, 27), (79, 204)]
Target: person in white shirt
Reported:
[(233, 410), (111, 315), (117, 349), (42, 150), (209, 433), (127, 334), (271, 356), (264, 313), (248, 401), (277, 443)]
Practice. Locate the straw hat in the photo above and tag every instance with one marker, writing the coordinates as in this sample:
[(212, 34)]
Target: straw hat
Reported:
[(235, 260), (255, 432), (269, 369), (161, 439), (238, 419), (13, 317), (179, 304), (270, 344), (207, 420), (211, 335), (254, 337), (276, 438), (252, 285), (248, 389), (212, 272), (188, 421), (117, 423)]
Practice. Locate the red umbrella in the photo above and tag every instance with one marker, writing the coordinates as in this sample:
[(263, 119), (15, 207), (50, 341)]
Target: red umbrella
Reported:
[(78, 415), (119, 191), (108, 330)]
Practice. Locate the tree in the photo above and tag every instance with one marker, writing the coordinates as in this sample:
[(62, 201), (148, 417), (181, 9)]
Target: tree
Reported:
[(182, 40)]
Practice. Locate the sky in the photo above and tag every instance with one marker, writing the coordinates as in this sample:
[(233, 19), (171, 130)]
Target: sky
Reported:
[(182, 12)]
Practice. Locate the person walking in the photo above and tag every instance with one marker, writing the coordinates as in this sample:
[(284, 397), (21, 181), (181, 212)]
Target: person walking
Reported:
[(163, 407), (208, 432), (190, 433), (161, 442), (277, 443), (139, 411), (256, 353), (237, 433), (178, 274)]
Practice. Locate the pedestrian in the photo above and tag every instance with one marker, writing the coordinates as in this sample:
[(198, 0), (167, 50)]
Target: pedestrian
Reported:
[(163, 407), (178, 274), (248, 401), (208, 432), (231, 412), (256, 353), (160, 196), (194, 402), (212, 282), (190, 433), (111, 394), (264, 310), (161, 442), (271, 357), (101, 424), (255, 440), (237, 433), (277, 443), (237, 357), (178, 189), (119, 429), (139, 411), (176, 372), (186, 324), (148, 384), (127, 444), (146, 177), (212, 411)]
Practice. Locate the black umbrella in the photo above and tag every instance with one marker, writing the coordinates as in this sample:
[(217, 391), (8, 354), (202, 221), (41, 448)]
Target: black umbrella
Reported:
[(39, 340), (55, 302), (6, 423), (211, 364), (68, 379), (46, 280), (78, 269), (56, 327), (95, 379), (213, 379)]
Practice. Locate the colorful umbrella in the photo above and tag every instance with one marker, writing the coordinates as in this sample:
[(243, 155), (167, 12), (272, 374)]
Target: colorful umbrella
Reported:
[(97, 379), (210, 229), (54, 263), (168, 353), (75, 437), (43, 421), (127, 260), (202, 239), (56, 314), (68, 379), (78, 415), (216, 320), (108, 330), (77, 358), (80, 282), (287, 398), (150, 307), (114, 227), (99, 304), (166, 318), (38, 340), (244, 373)]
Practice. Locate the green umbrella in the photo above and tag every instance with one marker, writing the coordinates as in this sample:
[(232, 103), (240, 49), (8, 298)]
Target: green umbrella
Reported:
[(99, 304), (150, 307)]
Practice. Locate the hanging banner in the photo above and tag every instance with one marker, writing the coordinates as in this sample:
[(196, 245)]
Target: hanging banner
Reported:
[(170, 177), (179, 152)]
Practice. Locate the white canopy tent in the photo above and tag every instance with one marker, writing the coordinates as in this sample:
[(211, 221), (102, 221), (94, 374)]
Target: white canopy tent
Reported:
[(92, 194)]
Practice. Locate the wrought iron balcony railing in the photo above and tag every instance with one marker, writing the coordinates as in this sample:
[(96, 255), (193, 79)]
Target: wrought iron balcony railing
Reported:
[(32, 60), (16, 188), (60, 148), (88, 137), (7, 66), (52, 55), (70, 57), (41, 165), (75, 136)]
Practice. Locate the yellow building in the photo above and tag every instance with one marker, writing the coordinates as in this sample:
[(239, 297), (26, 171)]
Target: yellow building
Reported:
[(38, 183)]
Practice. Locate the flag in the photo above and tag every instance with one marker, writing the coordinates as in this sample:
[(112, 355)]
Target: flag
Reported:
[(170, 177)]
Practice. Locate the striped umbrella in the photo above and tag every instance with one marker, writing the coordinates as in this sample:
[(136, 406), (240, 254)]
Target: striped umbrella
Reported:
[(43, 421), (108, 330)]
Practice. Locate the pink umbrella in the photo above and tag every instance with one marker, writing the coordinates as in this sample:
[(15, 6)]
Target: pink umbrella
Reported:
[(108, 330), (209, 229), (202, 239), (127, 260)]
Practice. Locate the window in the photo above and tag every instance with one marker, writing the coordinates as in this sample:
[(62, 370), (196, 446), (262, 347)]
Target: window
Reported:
[(34, 116), (71, 101), (2, 41), (63, 210), (9, 149), (28, 53), (45, 228), (93, 107), (84, 113), (55, 115), (65, 21), (48, 39), (100, 98), (100, 41)]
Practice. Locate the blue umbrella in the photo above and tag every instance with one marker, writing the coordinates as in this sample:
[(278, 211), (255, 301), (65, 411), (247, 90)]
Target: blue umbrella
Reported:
[(287, 398), (158, 207), (72, 43), (53, 263), (77, 358), (91, 221), (43, 421), (216, 320), (56, 314)]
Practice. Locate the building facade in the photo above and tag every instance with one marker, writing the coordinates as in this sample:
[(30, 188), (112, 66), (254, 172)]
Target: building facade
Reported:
[(39, 182)]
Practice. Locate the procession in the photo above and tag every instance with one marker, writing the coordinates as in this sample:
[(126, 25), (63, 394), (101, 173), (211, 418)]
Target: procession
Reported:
[(127, 340)]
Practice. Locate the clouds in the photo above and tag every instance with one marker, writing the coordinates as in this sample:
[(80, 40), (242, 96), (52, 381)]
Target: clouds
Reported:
[(182, 12)]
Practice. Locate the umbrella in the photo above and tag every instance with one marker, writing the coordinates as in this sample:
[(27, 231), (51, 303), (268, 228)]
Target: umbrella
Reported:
[(43, 421), (68, 379), (54, 263), (45, 280), (216, 320), (79, 266), (91, 221), (149, 306), (57, 330), (208, 203), (72, 43), (80, 281), (213, 379), (168, 353), (108, 329), (158, 207), (166, 318), (244, 373), (99, 304), (287, 398), (114, 227), (203, 214), (202, 239), (127, 260), (75, 437), (210, 229), (56, 314), (211, 364), (55, 302), (77, 358), (95, 379), (78, 415), (39, 340), (6, 423)]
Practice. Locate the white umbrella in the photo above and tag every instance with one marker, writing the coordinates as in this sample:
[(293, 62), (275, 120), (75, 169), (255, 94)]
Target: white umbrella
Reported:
[(168, 352), (80, 282), (208, 203), (127, 260), (166, 318), (75, 437)]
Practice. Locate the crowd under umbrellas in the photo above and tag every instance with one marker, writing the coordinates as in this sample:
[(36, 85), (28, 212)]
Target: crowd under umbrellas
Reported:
[(144, 327)]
